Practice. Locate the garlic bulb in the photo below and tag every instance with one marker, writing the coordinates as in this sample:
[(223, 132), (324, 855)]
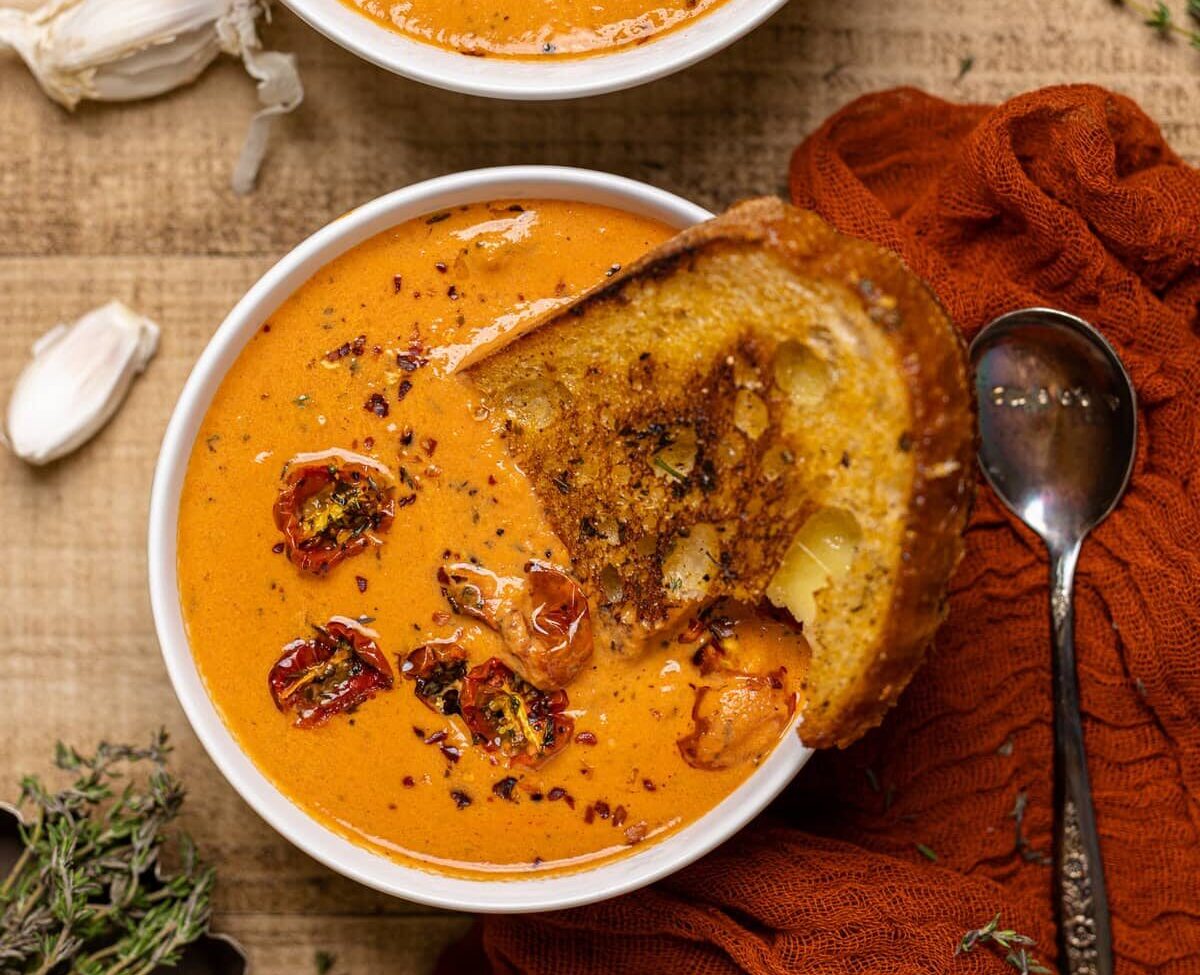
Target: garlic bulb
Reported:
[(120, 50), (78, 377)]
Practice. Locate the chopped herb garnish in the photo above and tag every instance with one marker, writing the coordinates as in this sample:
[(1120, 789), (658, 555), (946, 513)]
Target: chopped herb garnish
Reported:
[(663, 465), (323, 962), (927, 852)]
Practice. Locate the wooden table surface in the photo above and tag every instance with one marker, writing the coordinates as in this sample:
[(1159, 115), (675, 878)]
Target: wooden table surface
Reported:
[(133, 202)]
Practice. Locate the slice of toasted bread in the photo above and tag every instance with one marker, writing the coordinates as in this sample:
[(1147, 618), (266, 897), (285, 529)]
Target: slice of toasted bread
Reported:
[(761, 407)]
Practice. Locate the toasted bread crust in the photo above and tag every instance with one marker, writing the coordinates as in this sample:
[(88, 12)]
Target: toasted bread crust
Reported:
[(928, 355)]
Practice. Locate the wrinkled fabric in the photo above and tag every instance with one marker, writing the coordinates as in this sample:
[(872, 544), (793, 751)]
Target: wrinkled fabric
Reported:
[(1066, 197)]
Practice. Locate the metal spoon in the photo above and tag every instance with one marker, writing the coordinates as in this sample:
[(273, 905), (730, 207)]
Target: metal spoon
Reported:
[(1058, 428)]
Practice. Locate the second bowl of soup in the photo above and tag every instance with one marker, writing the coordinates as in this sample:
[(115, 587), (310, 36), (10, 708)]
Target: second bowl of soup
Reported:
[(535, 50)]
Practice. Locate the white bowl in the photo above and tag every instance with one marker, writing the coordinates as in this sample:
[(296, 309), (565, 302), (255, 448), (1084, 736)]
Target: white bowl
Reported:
[(535, 79), (541, 893)]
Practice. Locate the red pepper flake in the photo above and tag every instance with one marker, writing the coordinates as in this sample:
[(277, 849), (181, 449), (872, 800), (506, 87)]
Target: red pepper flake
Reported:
[(369, 443), (491, 480), (452, 754), (441, 267), (438, 217), (406, 436), (408, 782), (340, 352), (556, 793), (267, 327), (410, 361), (619, 817), (589, 815), (602, 809), (429, 445), (452, 292), (359, 345), (405, 501), (436, 738), (418, 731), (461, 799), (402, 390), (504, 788), (361, 582), (648, 785), (397, 283), (377, 404), (585, 738), (277, 548)]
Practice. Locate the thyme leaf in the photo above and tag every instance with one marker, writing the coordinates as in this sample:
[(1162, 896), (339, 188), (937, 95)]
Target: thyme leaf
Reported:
[(1158, 17), (1016, 946)]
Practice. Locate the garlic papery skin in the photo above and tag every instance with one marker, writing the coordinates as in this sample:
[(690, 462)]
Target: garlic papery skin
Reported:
[(121, 50), (77, 379)]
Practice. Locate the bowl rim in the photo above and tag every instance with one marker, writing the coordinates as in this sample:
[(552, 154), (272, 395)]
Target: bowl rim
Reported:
[(583, 886), (531, 79)]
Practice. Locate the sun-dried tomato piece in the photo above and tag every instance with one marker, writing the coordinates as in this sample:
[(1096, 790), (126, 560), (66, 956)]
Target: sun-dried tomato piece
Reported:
[(337, 669), (560, 624), (512, 717), (437, 669), (333, 505)]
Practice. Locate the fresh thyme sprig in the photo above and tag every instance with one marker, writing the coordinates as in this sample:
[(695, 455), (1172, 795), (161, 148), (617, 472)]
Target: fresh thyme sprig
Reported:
[(1159, 17), (88, 894), (1016, 946)]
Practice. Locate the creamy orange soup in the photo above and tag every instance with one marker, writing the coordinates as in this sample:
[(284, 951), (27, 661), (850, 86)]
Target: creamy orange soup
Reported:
[(361, 361), (534, 28)]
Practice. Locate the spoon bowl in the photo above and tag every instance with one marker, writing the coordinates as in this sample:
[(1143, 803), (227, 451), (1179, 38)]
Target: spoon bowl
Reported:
[(1057, 420)]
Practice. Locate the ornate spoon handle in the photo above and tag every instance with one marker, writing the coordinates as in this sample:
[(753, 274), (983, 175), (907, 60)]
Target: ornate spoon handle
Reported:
[(1083, 923)]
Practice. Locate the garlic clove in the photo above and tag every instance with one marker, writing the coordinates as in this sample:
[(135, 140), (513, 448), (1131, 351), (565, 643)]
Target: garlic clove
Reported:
[(76, 380), (121, 50)]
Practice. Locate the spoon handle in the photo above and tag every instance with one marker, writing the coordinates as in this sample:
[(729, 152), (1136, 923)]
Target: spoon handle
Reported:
[(1085, 938)]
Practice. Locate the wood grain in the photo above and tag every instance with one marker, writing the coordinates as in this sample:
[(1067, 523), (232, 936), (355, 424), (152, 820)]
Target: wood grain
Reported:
[(133, 202)]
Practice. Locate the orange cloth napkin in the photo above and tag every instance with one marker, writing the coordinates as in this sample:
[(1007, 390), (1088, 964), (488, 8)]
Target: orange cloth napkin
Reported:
[(1066, 197)]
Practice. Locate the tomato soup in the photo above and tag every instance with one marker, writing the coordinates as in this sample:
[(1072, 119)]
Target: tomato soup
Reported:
[(534, 28), (350, 528)]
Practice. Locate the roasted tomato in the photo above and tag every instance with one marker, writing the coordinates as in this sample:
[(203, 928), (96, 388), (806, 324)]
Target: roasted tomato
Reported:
[(560, 628), (737, 719), (543, 619), (333, 505), (438, 670), (508, 715), (337, 669)]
